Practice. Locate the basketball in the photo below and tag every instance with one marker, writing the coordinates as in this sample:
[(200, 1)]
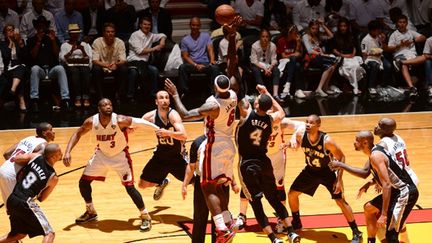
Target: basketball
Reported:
[(225, 14)]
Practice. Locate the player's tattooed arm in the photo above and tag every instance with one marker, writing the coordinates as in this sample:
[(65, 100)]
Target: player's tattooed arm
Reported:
[(179, 132)]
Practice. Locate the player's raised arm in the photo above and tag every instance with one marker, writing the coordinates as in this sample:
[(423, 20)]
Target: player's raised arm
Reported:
[(298, 127), (76, 136), (278, 113), (207, 109)]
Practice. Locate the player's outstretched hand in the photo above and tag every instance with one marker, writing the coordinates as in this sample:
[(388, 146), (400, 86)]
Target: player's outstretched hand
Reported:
[(334, 165), (67, 159), (362, 190), (232, 28), (184, 191), (170, 87)]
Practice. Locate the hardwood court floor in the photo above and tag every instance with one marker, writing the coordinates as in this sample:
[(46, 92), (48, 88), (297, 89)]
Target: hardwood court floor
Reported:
[(118, 217)]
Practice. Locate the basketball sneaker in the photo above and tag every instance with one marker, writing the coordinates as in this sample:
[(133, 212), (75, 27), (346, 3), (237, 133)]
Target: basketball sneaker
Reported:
[(160, 189), (225, 236), (241, 221), (294, 238), (296, 224), (280, 227), (277, 240), (357, 237), (86, 217), (145, 222)]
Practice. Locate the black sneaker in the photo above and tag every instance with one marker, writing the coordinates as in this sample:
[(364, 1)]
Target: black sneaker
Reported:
[(66, 106), (160, 189), (86, 217), (296, 224), (35, 105), (357, 237)]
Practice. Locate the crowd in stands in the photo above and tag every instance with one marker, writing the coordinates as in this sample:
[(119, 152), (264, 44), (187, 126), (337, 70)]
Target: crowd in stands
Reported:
[(297, 48)]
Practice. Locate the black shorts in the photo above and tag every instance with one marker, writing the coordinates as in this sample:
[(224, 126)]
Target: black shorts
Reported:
[(27, 218), (257, 178), (308, 181), (158, 167)]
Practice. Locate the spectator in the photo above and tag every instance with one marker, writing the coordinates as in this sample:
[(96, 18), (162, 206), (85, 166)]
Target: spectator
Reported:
[(54, 6), (222, 59), (252, 12), (394, 14), (289, 49), (7, 17), (264, 62), (398, 7), (44, 52), (306, 11), (317, 58), (64, 18), (344, 46), (198, 56), (140, 47), (76, 57), (275, 15), (20, 6), (402, 44), (123, 16), (93, 18), (13, 55), (109, 59), (373, 45), (420, 12), (27, 29), (362, 12), (335, 10), (427, 53), (161, 18), (140, 5)]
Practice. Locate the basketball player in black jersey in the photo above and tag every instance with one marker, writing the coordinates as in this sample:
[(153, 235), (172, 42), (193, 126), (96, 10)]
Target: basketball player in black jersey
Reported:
[(319, 150), (169, 154), (364, 142), (35, 181), (256, 171)]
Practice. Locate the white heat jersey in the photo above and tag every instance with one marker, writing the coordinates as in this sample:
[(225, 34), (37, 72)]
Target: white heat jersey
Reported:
[(222, 126), (111, 140), (276, 139), (396, 148), (9, 169)]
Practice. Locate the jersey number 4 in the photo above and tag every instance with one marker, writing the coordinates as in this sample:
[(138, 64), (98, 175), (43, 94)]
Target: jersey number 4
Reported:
[(255, 136)]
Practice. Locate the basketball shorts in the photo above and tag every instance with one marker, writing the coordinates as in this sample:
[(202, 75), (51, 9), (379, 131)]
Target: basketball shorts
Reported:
[(8, 173), (308, 181), (158, 167), (99, 165), (278, 162), (216, 160), (26, 217), (256, 177)]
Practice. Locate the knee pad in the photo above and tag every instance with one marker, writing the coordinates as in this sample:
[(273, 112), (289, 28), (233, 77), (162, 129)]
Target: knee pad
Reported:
[(85, 189)]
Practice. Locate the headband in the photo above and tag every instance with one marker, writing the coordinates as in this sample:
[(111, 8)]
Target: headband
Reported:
[(219, 89)]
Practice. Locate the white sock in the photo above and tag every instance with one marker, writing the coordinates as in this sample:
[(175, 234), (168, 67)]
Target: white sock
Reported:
[(227, 216), (287, 87), (219, 222), (144, 211)]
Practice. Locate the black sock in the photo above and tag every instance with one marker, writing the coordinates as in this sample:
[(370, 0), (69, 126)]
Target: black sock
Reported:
[(272, 236), (371, 240), (353, 226), (296, 215), (290, 229)]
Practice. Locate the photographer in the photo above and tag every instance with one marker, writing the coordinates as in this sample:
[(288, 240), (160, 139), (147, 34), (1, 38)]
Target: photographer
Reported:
[(76, 56), (44, 52)]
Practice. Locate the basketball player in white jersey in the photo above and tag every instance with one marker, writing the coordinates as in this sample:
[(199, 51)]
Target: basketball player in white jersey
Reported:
[(31, 144), (111, 154), (216, 162), (276, 148)]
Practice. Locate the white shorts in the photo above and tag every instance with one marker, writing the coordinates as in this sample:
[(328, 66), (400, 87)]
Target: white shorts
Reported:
[(8, 173), (216, 160), (278, 162), (99, 165)]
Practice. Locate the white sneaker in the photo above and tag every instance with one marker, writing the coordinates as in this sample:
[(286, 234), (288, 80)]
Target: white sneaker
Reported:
[(287, 87), (299, 94), (430, 92), (321, 93), (277, 240), (335, 89), (294, 238), (372, 91)]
